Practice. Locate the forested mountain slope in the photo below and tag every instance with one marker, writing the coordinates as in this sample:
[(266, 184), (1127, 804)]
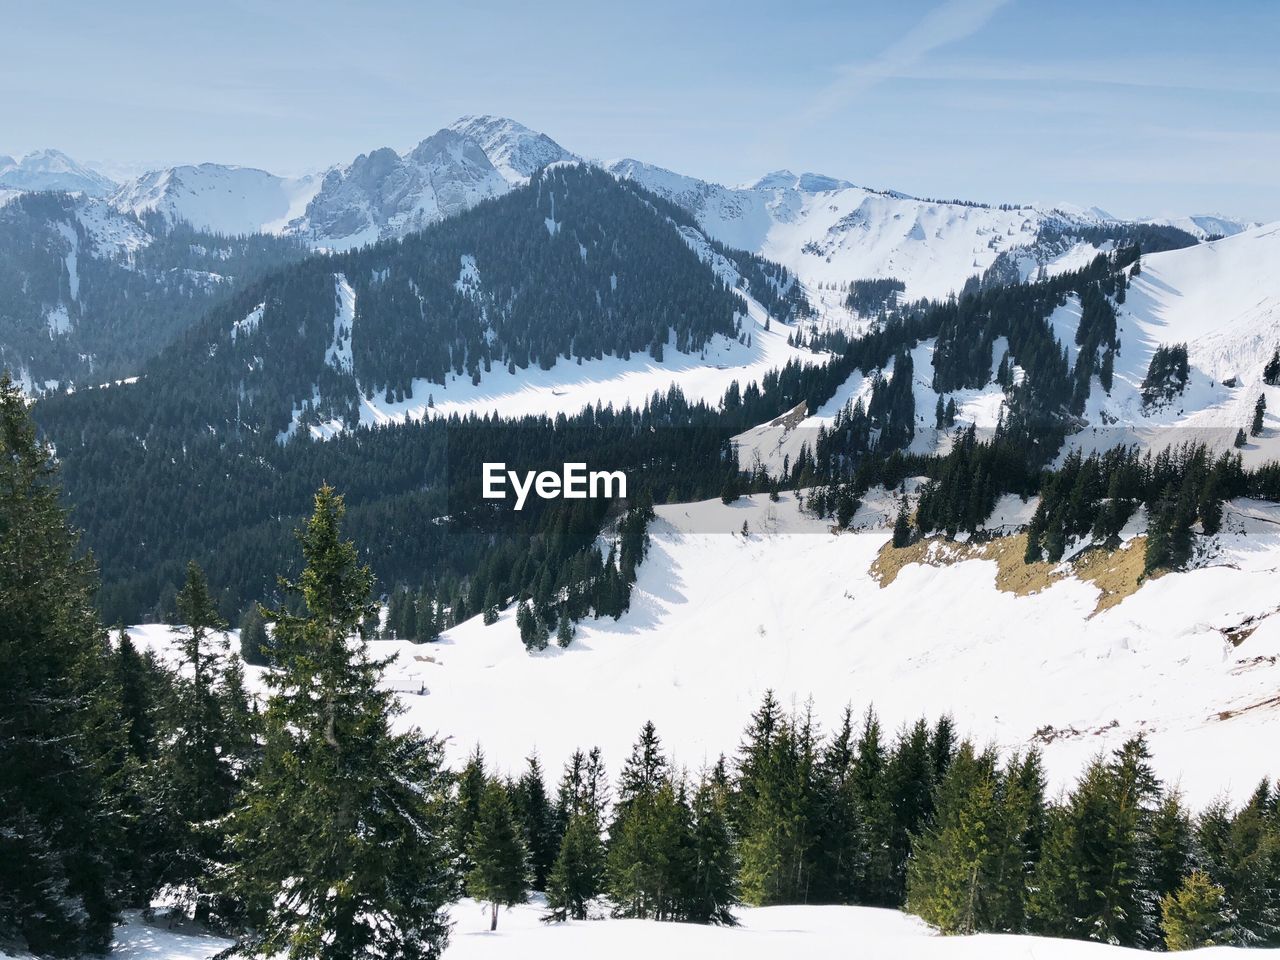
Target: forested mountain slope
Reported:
[(87, 293)]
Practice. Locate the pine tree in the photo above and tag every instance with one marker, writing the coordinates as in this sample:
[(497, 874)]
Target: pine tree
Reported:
[(870, 786), (1259, 413), (470, 787), (199, 764), (499, 874), (59, 714), (255, 647), (1093, 881), (341, 836), (1195, 915), (564, 631), (902, 527), (951, 873), (537, 821), (578, 874), (1271, 372), (713, 888)]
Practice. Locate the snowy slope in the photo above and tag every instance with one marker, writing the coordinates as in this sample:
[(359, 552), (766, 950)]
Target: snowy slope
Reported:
[(828, 230), (218, 198), (765, 933), (1222, 299), (716, 619), (52, 170)]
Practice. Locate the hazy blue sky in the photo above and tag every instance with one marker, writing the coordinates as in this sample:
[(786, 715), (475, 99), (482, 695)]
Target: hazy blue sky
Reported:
[(1140, 108)]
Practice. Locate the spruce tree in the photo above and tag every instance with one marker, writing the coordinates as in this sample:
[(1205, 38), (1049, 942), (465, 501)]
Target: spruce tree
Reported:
[(578, 874), (499, 874), (60, 715), (713, 886), (199, 763), (951, 875), (1259, 413), (537, 821), (1195, 915), (1094, 878), (255, 647), (341, 838), (902, 527)]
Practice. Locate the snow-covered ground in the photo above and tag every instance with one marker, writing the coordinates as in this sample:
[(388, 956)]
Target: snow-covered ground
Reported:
[(1222, 300), (764, 933), (716, 619)]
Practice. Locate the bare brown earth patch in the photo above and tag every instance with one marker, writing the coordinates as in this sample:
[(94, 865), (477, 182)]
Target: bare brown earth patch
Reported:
[(1116, 573)]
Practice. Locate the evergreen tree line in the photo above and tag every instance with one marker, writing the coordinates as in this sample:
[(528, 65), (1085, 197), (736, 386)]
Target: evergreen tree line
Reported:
[(921, 821)]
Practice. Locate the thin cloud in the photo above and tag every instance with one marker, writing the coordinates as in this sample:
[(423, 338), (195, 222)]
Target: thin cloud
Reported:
[(951, 21)]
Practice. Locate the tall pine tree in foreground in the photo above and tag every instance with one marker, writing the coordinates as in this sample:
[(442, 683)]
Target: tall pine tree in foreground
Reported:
[(62, 743), (341, 840)]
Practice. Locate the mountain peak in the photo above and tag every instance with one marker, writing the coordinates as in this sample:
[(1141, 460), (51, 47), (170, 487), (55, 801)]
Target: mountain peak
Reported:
[(805, 182), (51, 169), (514, 149)]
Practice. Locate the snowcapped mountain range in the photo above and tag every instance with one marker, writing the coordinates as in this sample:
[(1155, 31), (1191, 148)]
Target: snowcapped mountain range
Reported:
[(827, 230)]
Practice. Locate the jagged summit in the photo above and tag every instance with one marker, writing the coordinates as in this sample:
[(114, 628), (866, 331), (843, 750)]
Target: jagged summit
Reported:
[(52, 170)]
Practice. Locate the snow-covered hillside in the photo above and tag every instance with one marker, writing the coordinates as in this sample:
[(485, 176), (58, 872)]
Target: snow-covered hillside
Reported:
[(219, 198), (830, 231), (717, 618), (52, 170), (1222, 300), (764, 933)]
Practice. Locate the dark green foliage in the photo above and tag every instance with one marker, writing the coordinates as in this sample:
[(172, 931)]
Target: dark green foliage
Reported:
[(499, 873), (537, 821), (255, 646), (1271, 372), (1166, 374), (1093, 881), (63, 742), (869, 297), (346, 815), (205, 753), (1259, 413), (578, 874)]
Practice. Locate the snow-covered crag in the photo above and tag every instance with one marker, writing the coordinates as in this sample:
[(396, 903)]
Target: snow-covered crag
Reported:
[(52, 170), (383, 194), (515, 150), (218, 198)]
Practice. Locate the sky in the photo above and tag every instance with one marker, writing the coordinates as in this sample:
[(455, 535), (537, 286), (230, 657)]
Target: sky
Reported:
[(1142, 109)]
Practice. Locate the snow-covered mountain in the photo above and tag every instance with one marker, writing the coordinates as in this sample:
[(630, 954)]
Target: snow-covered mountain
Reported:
[(829, 231), (219, 198), (1220, 299), (383, 194), (1204, 226), (514, 149), (52, 170)]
